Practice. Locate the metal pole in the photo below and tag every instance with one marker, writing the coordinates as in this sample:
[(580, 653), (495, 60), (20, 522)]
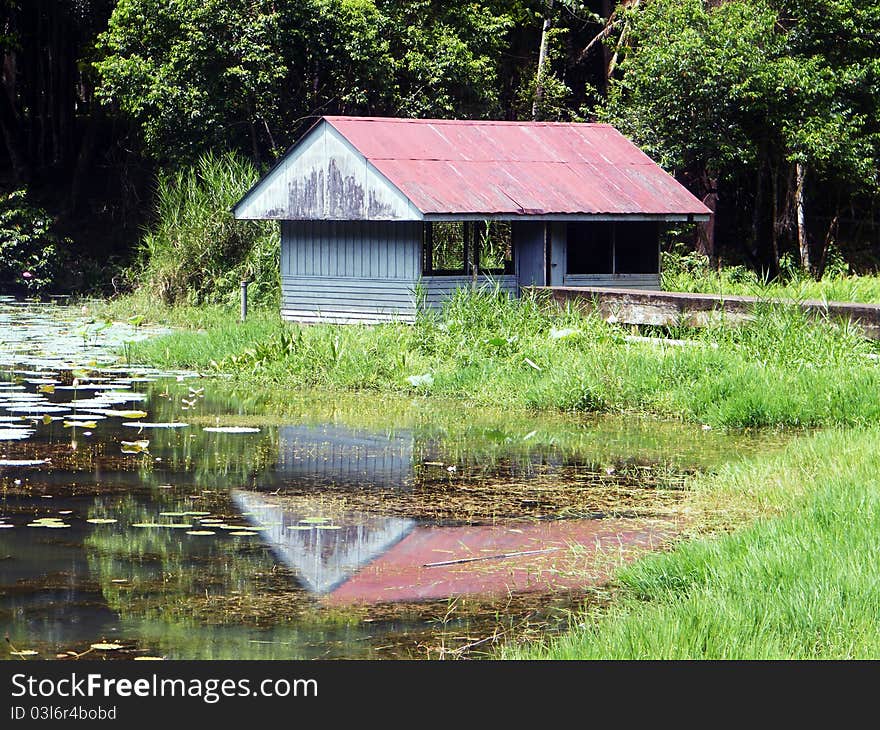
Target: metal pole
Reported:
[(244, 286)]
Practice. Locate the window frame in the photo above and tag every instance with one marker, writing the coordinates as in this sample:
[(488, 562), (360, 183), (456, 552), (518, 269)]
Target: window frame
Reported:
[(470, 251)]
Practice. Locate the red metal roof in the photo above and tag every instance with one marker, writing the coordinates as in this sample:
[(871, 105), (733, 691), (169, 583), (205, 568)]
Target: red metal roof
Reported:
[(500, 559), (519, 168)]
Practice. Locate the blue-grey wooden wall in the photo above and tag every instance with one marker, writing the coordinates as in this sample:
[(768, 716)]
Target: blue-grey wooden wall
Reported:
[(349, 271), (370, 271)]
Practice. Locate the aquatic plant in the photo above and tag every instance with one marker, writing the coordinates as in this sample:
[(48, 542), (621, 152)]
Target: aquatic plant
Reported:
[(784, 368)]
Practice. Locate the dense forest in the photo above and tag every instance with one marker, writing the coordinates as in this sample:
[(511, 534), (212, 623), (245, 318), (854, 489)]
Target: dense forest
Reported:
[(768, 110)]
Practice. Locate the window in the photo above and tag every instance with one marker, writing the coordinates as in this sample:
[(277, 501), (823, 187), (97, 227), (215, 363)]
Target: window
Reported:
[(605, 247), (494, 247), (636, 249), (456, 248), (590, 247), (445, 248)]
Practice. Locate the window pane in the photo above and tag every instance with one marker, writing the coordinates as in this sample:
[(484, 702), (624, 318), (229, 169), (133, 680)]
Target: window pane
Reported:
[(636, 248), (589, 247), (496, 246), (448, 244)]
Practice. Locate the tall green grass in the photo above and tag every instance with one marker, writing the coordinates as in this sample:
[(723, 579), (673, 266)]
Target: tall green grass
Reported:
[(801, 582), (692, 273), (783, 369), (196, 252)]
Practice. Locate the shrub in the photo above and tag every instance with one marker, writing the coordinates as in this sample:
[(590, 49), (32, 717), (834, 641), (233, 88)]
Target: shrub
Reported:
[(197, 252), (31, 253)]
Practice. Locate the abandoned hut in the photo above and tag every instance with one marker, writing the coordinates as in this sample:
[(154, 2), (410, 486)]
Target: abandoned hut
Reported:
[(380, 215)]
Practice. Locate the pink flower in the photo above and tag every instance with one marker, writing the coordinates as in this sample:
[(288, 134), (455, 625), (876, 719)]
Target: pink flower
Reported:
[(27, 275)]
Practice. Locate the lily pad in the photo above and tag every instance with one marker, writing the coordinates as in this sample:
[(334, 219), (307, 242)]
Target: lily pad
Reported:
[(231, 429), (106, 647), (15, 434), (125, 414), (200, 532), (101, 521), (148, 424), (243, 533)]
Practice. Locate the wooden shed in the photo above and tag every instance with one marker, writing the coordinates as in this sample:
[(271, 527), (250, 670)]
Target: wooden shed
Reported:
[(380, 216)]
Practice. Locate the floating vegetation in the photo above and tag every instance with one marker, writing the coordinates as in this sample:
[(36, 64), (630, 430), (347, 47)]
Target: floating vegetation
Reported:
[(135, 447), (106, 646), (124, 414), (80, 424), (15, 434), (38, 410), (51, 522), (328, 527), (239, 533), (200, 532), (23, 462), (231, 429), (148, 424), (24, 652), (101, 520)]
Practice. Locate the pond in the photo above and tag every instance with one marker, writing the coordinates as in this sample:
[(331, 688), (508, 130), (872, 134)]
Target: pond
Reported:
[(157, 514)]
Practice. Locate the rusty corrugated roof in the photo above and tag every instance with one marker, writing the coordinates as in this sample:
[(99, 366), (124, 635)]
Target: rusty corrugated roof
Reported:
[(516, 168)]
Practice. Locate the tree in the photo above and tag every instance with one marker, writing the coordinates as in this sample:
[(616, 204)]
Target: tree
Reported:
[(249, 74), (737, 94)]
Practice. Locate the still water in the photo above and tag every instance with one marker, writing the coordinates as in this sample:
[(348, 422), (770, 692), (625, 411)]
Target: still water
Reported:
[(169, 515)]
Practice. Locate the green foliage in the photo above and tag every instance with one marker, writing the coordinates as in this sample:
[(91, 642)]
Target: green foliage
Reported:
[(692, 272), (197, 252), (198, 74), (32, 255), (717, 86), (799, 584), (782, 369)]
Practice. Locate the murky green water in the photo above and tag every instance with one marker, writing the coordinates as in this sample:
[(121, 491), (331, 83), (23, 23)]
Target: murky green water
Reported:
[(352, 526)]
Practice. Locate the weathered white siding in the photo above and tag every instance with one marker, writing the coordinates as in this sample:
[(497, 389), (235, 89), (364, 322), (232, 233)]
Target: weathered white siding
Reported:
[(349, 271), (326, 178)]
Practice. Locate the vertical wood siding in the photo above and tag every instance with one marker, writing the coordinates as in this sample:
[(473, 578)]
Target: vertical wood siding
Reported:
[(349, 271)]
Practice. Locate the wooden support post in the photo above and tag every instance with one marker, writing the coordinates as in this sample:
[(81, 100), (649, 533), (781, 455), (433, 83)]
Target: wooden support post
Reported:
[(244, 288)]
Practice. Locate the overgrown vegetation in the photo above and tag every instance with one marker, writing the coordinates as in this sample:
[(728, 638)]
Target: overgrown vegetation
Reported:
[(32, 254), (798, 583), (197, 252), (767, 109), (783, 369), (694, 272)]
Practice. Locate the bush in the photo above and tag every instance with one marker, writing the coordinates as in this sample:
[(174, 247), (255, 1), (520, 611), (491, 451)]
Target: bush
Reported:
[(197, 252), (31, 253)]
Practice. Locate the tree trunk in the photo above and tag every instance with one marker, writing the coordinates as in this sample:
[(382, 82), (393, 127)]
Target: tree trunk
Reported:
[(542, 62), (756, 211), (774, 229), (706, 231), (803, 243)]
